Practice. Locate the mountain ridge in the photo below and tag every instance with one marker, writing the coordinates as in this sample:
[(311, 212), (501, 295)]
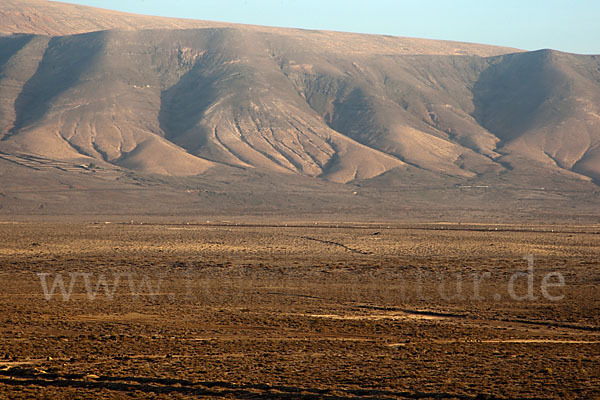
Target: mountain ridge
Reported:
[(32, 16), (184, 100)]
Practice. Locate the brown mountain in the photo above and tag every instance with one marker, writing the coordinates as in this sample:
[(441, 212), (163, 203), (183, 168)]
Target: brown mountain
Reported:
[(182, 98)]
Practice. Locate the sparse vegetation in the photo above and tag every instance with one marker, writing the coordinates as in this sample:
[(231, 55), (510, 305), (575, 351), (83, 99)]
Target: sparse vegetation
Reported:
[(247, 311), (198, 209)]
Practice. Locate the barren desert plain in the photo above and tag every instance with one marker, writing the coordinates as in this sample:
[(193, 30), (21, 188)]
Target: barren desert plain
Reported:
[(299, 310), (201, 209)]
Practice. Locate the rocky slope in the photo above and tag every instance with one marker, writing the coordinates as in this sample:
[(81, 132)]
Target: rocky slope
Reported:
[(181, 97)]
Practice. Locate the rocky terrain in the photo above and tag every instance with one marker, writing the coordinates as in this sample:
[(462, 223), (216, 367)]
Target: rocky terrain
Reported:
[(348, 311), (197, 209), (182, 97)]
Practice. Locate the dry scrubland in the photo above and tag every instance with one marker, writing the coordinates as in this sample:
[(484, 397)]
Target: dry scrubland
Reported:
[(106, 113), (306, 311)]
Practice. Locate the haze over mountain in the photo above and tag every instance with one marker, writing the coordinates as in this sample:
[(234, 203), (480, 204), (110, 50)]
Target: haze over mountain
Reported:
[(183, 97)]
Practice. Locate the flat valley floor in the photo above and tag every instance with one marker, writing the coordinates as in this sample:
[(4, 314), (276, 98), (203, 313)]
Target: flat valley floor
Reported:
[(299, 311)]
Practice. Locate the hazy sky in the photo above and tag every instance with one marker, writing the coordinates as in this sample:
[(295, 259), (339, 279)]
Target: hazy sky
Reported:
[(567, 25)]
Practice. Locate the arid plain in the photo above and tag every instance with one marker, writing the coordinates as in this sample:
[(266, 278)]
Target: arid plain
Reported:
[(336, 311), (203, 209)]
